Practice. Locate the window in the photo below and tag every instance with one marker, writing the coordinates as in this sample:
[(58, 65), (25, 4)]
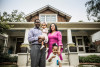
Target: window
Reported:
[(80, 42), (48, 17)]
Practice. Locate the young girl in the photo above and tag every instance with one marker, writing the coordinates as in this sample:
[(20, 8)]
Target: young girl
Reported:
[(54, 58), (44, 33)]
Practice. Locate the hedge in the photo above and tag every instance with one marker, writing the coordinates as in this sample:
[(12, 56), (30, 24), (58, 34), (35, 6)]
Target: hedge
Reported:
[(89, 59)]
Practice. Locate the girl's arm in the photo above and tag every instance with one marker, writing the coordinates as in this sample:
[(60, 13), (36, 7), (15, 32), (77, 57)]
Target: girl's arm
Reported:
[(51, 58), (60, 64)]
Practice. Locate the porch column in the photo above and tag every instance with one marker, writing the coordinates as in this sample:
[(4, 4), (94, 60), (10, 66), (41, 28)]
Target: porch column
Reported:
[(5, 42), (26, 43), (72, 51), (26, 37), (69, 37)]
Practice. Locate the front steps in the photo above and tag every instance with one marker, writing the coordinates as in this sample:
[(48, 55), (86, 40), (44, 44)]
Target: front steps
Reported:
[(65, 62)]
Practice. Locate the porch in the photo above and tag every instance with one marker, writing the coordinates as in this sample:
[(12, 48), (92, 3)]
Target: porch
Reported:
[(72, 32)]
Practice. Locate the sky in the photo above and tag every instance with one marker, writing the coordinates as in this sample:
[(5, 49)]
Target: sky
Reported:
[(75, 8)]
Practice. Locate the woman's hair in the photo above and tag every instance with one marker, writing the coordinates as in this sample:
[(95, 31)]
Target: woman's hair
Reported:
[(55, 27), (54, 44)]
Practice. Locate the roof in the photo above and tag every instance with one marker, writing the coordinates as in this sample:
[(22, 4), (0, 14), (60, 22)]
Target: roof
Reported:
[(61, 25), (68, 17)]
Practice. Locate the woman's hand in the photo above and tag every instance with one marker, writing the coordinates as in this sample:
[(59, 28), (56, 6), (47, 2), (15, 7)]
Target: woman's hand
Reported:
[(59, 50)]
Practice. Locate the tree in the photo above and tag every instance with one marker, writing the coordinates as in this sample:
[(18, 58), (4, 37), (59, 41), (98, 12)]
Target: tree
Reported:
[(15, 16), (4, 27), (93, 10)]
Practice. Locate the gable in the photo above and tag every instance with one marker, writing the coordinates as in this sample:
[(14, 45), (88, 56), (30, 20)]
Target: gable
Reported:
[(61, 17)]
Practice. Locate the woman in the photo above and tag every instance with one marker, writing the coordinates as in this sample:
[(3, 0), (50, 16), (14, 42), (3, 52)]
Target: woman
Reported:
[(55, 36)]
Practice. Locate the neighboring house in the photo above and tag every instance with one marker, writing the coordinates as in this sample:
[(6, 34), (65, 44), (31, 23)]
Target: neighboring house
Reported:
[(78, 33)]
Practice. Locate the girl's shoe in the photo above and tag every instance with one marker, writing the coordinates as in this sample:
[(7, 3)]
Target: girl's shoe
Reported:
[(42, 47)]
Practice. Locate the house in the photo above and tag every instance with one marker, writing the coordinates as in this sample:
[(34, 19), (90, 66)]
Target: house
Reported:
[(78, 33)]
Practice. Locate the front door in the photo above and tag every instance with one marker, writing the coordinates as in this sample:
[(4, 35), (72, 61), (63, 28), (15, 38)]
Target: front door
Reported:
[(18, 44), (80, 44)]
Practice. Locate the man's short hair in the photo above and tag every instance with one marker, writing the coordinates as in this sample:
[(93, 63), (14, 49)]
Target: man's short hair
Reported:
[(36, 19)]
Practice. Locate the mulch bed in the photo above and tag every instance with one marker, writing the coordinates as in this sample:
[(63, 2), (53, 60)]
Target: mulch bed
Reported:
[(90, 63), (8, 63)]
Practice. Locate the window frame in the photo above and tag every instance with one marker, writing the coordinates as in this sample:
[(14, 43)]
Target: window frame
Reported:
[(48, 14)]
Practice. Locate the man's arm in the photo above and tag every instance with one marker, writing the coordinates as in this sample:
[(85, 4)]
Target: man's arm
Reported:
[(31, 37)]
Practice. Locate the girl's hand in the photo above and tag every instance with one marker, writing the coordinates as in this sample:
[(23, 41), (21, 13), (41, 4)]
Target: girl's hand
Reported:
[(59, 52)]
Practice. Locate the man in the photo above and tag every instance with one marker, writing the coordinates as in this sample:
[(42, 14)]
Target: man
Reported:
[(37, 55)]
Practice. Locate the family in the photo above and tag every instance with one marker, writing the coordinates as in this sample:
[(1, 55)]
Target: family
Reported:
[(43, 41)]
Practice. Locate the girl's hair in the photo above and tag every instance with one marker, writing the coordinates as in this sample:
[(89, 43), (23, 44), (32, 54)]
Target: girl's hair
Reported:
[(44, 23), (54, 44), (55, 28)]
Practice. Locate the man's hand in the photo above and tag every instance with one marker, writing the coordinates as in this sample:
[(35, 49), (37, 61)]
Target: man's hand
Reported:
[(41, 37)]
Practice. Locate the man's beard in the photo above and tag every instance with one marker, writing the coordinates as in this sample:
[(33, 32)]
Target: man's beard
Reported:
[(37, 26)]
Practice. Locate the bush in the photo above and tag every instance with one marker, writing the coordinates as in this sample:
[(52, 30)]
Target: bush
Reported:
[(13, 59), (5, 57), (90, 59), (8, 58)]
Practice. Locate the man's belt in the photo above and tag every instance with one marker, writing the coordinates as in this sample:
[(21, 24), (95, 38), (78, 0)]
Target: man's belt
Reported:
[(36, 44)]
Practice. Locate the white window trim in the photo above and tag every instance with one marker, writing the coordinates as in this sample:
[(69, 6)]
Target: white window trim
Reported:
[(48, 14)]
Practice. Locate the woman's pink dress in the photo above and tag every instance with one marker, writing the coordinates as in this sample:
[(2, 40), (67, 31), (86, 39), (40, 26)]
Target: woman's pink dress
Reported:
[(56, 37)]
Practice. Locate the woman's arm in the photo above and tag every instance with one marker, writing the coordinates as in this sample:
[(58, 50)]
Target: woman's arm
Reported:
[(59, 50), (59, 42)]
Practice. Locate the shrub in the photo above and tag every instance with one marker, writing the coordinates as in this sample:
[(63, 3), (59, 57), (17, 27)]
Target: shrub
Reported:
[(90, 59), (5, 57), (13, 59)]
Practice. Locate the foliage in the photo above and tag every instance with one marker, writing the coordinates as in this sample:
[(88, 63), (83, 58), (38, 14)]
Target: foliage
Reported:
[(15, 16), (71, 45), (90, 59), (5, 57), (80, 21), (4, 27), (1, 48), (93, 10)]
